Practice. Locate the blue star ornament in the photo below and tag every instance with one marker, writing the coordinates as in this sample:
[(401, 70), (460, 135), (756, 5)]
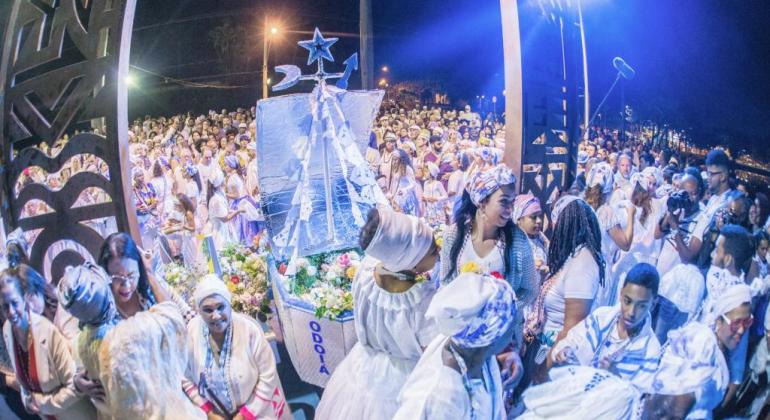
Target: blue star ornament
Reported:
[(318, 47)]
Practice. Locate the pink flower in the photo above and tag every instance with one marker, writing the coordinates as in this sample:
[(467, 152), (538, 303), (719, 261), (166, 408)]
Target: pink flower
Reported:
[(343, 260)]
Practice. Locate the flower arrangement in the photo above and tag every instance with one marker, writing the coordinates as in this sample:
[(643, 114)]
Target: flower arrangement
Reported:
[(245, 275), (324, 280), (182, 279), (474, 267)]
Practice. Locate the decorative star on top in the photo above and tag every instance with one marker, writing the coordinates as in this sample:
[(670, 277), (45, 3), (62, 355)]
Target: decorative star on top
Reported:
[(318, 47)]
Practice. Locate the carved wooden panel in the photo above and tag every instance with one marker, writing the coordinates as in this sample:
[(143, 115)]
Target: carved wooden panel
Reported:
[(551, 77), (62, 63)]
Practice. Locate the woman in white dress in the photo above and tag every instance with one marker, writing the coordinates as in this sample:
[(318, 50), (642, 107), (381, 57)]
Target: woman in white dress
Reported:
[(617, 226), (389, 309), (231, 370), (220, 214), (435, 197), (235, 190), (457, 376)]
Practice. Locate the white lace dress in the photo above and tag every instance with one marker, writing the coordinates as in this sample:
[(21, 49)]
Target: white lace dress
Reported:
[(392, 331)]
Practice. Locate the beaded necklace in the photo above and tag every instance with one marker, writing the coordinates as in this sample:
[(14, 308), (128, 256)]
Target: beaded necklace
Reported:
[(224, 359)]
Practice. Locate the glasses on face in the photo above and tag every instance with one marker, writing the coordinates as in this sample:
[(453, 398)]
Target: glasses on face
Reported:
[(735, 325), (121, 279), (713, 174)]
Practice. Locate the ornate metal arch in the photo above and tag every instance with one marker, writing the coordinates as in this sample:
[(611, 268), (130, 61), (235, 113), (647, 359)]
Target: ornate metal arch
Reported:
[(60, 72)]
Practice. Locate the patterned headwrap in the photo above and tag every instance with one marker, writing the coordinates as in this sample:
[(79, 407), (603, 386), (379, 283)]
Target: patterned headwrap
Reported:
[(653, 174), (164, 162), (191, 169), (560, 205), (136, 171), (490, 155), (483, 182), (601, 174), (524, 205), (231, 161), (84, 291), (474, 310), (432, 169)]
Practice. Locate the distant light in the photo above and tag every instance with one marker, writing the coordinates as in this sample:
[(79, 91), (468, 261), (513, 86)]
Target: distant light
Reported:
[(269, 80), (130, 80), (503, 92), (385, 69), (273, 30), (383, 82)]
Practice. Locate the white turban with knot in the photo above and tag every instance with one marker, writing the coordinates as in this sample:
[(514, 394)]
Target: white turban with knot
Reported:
[(732, 297), (601, 174), (400, 242), (684, 286), (474, 310), (210, 285)]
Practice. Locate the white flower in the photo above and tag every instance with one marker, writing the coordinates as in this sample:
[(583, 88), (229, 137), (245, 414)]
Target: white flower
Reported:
[(331, 275), (237, 265), (332, 300), (312, 271), (302, 262)]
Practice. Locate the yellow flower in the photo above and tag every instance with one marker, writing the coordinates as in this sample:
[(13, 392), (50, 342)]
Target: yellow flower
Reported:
[(231, 287), (439, 241), (470, 267), (351, 272)]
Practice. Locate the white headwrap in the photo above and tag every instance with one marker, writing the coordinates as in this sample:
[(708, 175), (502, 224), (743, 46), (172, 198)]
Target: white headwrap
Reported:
[(474, 310), (684, 286), (654, 175), (216, 177), (210, 285), (560, 205), (601, 174), (732, 297), (400, 242), (84, 291), (641, 179)]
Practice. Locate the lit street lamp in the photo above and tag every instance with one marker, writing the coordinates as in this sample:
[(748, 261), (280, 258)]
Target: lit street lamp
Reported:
[(385, 69), (268, 40)]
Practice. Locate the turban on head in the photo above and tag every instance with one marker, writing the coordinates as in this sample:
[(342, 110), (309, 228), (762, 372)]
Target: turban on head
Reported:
[(641, 179), (210, 285), (231, 161), (216, 177), (560, 205), (601, 174), (733, 297), (474, 310), (400, 242), (84, 291), (525, 205), (483, 182), (136, 171)]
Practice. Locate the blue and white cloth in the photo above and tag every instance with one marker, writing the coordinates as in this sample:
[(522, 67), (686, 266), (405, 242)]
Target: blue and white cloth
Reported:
[(634, 359)]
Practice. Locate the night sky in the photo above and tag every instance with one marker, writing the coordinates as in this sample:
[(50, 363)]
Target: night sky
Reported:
[(700, 63)]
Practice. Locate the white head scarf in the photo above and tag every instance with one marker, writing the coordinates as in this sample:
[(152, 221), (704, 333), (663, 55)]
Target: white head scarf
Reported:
[(216, 177), (641, 179), (400, 242), (684, 286), (560, 205), (733, 297), (474, 310), (210, 285), (601, 174)]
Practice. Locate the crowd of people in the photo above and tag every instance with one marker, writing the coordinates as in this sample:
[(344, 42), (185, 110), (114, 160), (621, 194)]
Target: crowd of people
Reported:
[(639, 291)]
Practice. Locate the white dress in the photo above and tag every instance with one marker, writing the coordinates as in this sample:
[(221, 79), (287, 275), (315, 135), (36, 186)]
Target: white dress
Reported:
[(220, 230), (436, 391), (392, 331), (608, 217)]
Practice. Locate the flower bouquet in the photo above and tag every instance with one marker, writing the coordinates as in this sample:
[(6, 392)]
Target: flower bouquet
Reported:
[(324, 280), (245, 275), (182, 279)]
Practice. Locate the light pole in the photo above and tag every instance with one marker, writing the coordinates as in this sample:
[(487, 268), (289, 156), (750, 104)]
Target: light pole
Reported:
[(267, 41)]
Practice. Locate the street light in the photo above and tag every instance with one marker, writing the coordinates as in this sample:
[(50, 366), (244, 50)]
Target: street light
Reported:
[(130, 81), (383, 82), (267, 41), (385, 69)]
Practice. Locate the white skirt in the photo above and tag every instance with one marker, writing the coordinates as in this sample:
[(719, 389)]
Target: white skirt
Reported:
[(364, 386)]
